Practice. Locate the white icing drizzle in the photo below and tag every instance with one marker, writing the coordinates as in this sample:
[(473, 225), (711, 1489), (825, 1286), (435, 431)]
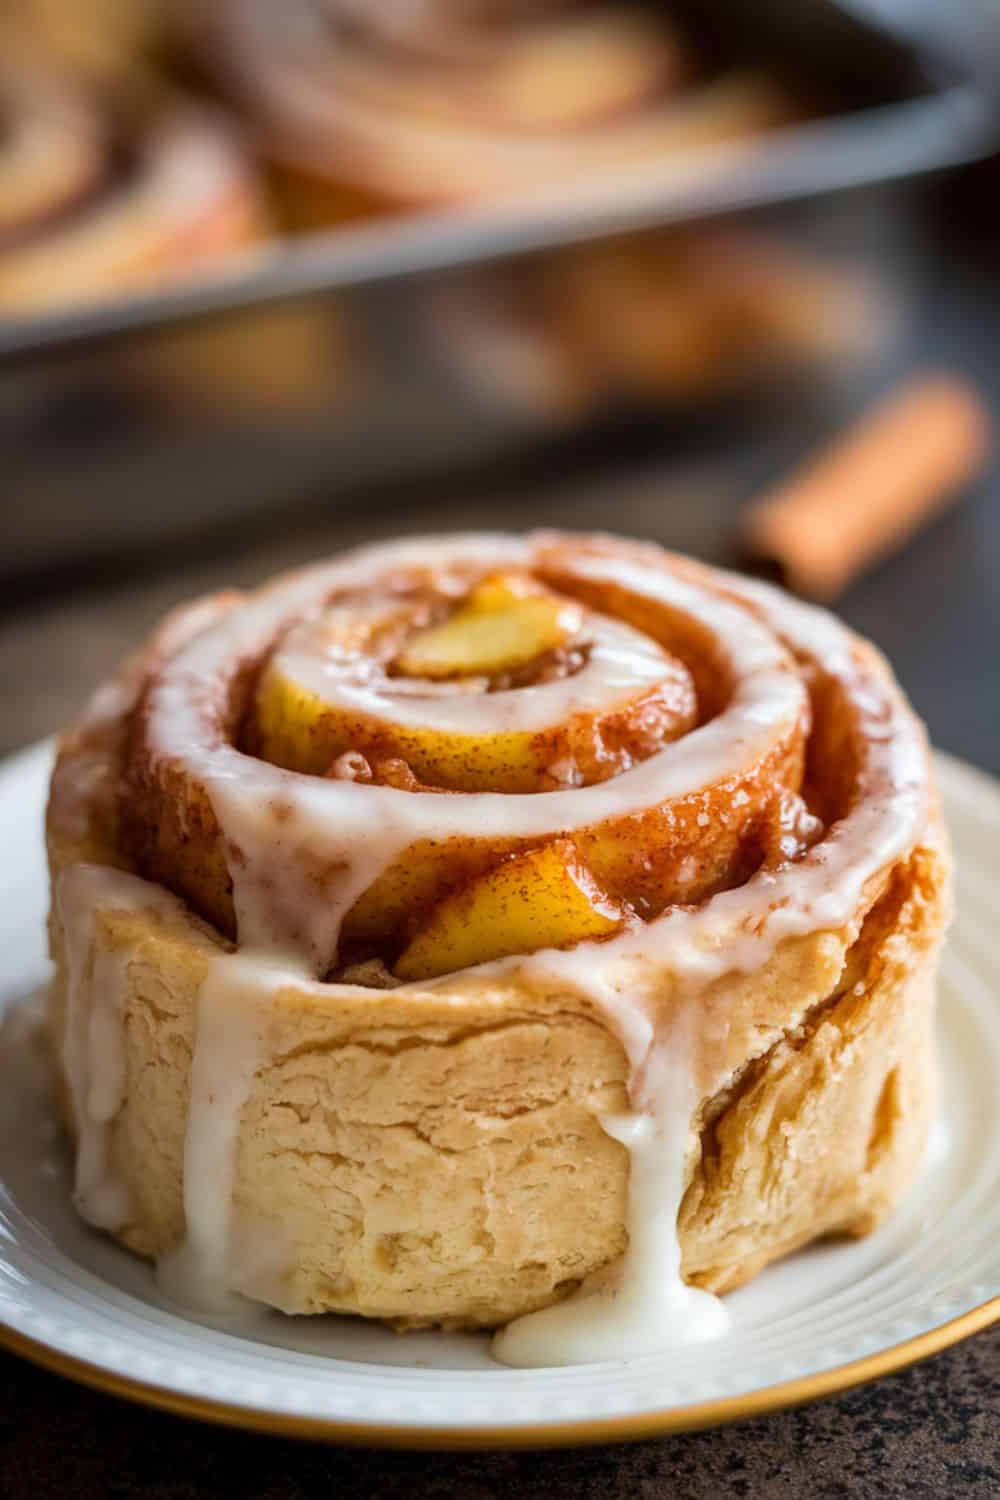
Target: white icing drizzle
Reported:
[(738, 929), (353, 834), (642, 1304), (93, 1046), (622, 662), (93, 1043), (281, 829), (228, 1051)]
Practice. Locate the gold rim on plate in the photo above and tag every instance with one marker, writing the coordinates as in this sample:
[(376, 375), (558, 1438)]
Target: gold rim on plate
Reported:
[(622, 1429)]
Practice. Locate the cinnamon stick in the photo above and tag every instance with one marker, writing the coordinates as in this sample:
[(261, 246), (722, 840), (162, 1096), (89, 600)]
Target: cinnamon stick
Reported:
[(873, 487)]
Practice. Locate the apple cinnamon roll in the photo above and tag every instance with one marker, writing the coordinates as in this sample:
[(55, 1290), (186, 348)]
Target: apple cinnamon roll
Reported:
[(531, 931)]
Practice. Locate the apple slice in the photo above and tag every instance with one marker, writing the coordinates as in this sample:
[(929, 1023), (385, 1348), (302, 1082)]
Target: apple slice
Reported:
[(297, 729), (544, 898), (497, 629), (318, 696)]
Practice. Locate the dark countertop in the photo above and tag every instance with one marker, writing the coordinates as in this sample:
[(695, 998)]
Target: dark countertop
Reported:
[(935, 608), (927, 1434)]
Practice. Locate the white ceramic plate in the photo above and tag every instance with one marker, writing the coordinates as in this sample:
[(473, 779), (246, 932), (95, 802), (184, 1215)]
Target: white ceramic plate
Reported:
[(825, 1319)]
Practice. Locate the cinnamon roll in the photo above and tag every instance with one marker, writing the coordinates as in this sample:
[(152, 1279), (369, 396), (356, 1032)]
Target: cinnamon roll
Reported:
[(533, 931), (89, 209), (368, 108)]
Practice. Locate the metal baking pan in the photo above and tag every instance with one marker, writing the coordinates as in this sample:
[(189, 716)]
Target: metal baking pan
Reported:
[(147, 420)]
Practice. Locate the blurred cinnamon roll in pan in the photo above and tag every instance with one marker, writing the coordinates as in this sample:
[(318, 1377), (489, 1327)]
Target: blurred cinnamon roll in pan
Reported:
[(367, 109), (92, 207), (112, 187), (492, 930)]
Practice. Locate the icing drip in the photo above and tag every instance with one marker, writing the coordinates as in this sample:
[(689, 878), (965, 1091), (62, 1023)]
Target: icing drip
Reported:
[(642, 1304), (302, 849), (93, 1047), (229, 1048)]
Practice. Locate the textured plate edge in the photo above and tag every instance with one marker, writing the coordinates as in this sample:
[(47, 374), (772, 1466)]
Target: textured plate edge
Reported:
[(650, 1424), (670, 1420)]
